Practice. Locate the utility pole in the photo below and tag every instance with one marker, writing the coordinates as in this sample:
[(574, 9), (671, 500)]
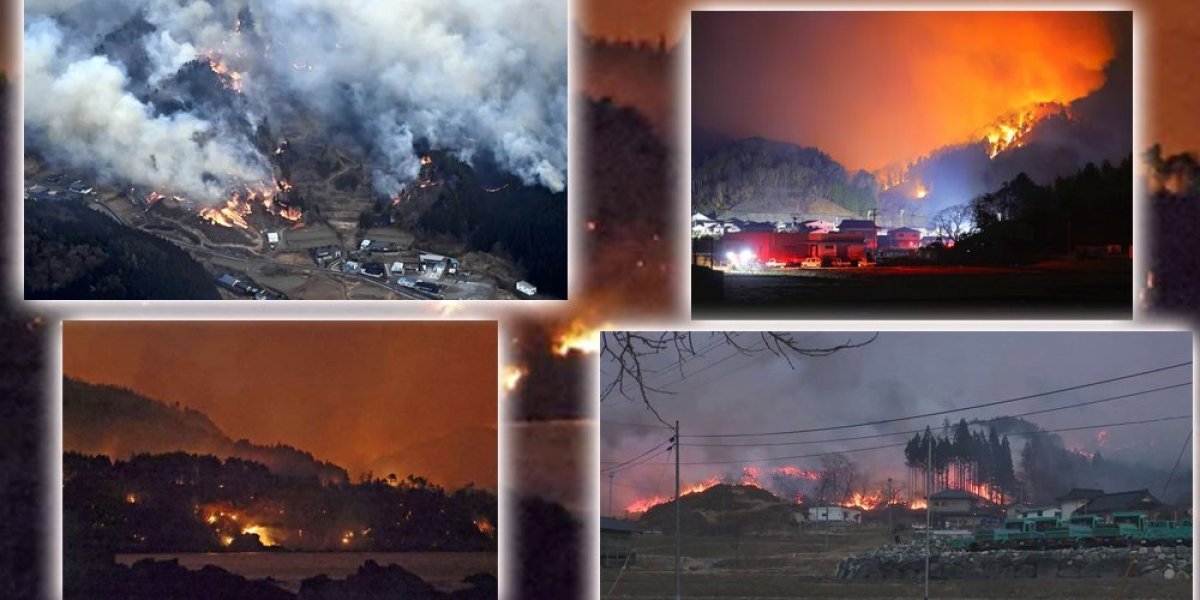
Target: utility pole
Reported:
[(678, 534), (928, 514), (610, 506)]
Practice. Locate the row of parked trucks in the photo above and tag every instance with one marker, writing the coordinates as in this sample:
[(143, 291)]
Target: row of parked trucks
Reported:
[(1044, 533)]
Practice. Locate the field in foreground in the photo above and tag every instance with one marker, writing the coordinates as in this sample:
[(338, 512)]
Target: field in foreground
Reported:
[(803, 566), (1093, 289)]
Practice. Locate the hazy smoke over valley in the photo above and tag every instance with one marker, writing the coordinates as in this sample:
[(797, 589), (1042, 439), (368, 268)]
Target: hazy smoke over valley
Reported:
[(109, 86)]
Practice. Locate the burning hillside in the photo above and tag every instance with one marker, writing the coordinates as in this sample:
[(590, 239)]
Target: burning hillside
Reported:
[(172, 99)]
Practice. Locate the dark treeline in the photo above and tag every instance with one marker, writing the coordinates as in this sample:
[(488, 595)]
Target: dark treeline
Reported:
[(1025, 221), (757, 170), (528, 224), (116, 421), (72, 252), (962, 457), (182, 502)]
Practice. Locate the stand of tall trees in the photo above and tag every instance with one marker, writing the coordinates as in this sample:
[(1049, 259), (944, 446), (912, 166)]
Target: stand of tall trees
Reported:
[(962, 459)]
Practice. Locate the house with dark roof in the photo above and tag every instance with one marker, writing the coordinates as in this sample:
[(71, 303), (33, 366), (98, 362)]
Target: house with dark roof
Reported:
[(960, 509), (1135, 500), (1077, 497)]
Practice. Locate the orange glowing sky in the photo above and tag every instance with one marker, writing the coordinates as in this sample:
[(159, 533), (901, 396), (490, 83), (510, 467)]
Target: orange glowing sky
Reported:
[(1169, 31), (906, 83), (349, 392)]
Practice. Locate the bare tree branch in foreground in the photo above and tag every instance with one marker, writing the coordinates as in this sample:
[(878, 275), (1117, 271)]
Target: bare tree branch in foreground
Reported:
[(628, 350)]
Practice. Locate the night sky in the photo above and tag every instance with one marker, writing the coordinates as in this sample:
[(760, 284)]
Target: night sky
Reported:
[(875, 89), (1169, 30), (349, 392), (899, 374)]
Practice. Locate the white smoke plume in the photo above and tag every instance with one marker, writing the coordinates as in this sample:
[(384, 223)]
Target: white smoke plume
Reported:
[(482, 79), (79, 107)]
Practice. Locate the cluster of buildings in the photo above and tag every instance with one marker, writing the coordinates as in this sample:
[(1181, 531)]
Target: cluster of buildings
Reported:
[(958, 509), (851, 240)]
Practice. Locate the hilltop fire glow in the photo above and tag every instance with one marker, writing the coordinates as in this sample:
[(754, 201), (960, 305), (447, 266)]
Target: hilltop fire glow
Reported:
[(865, 500), (1013, 129), (748, 477)]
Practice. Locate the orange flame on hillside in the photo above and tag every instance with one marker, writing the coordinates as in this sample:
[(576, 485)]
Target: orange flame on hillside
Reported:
[(645, 504), (580, 337), (232, 214), (918, 504), (1012, 130), (230, 78)]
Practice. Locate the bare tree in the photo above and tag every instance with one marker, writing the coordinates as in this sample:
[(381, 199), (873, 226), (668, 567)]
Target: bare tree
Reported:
[(629, 349), (954, 222)]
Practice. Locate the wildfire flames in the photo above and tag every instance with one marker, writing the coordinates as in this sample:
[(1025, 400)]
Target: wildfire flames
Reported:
[(749, 476), (485, 527), (239, 205), (230, 78), (232, 214), (1012, 130), (579, 337), (264, 534), (512, 376)]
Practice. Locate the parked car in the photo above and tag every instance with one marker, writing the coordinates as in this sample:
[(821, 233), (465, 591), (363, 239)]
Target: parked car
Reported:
[(811, 262)]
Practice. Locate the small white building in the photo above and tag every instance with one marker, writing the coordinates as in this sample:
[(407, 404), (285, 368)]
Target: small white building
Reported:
[(1045, 510), (526, 288), (273, 238), (838, 514), (397, 267)]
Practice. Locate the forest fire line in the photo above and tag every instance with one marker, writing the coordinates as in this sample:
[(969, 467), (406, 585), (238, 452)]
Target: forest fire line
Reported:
[(239, 205), (1012, 130), (864, 499)]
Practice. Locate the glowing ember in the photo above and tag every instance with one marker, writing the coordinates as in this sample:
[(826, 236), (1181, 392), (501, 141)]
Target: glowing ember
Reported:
[(512, 376), (1102, 435), (131, 498), (426, 160), (485, 527), (1089, 455), (579, 337), (226, 540), (921, 191)]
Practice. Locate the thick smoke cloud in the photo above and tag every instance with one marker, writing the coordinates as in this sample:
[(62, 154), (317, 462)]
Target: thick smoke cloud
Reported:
[(78, 110), (484, 80)]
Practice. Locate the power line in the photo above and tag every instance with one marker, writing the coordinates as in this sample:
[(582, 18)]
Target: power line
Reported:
[(912, 431), (852, 450), (623, 463), (1177, 459), (944, 412)]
